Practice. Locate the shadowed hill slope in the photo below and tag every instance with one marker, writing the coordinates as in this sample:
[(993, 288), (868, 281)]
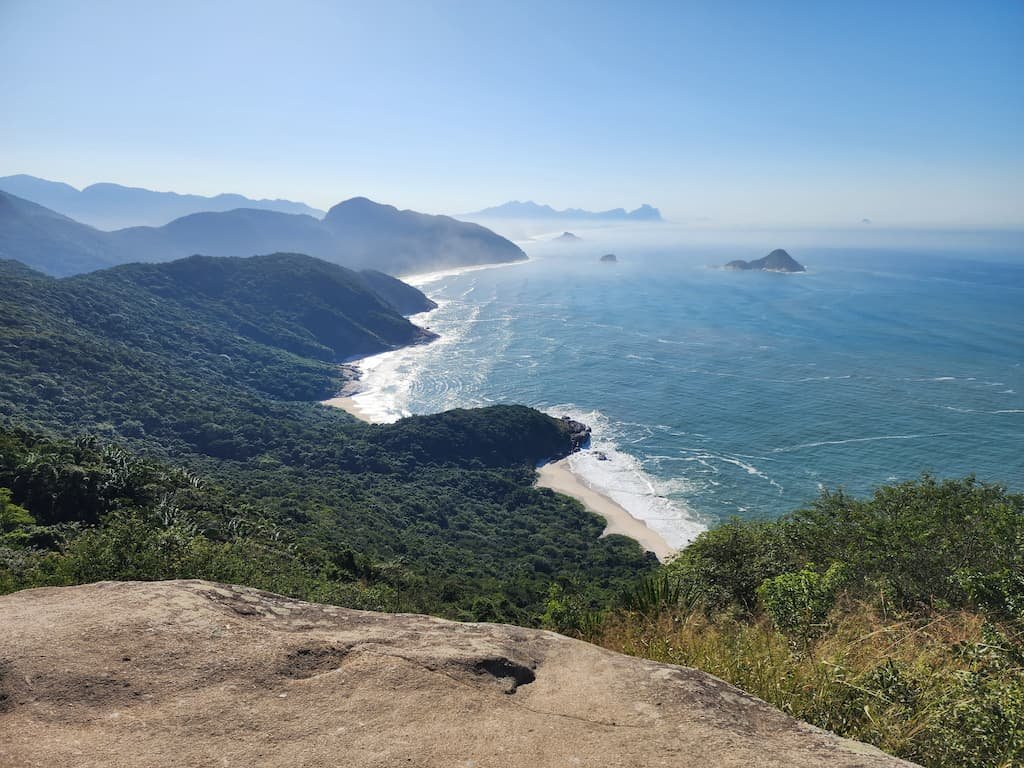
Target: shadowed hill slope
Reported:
[(47, 241), (401, 296)]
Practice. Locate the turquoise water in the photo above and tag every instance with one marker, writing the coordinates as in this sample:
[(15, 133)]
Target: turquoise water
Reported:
[(716, 393)]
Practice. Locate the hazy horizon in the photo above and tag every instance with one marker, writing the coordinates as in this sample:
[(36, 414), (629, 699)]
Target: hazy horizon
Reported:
[(794, 116)]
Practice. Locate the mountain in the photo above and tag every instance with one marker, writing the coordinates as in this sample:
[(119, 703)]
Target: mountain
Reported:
[(357, 233), (567, 237), (49, 241), (292, 302), (112, 206), (776, 261), (270, 325), (98, 675), (241, 232), (531, 210), (399, 242)]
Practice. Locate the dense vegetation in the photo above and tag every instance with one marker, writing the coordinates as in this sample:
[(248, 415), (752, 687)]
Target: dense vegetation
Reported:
[(897, 620), (209, 366)]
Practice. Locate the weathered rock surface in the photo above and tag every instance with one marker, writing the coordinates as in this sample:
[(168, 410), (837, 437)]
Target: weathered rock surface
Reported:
[(579, 433), (190, 673)]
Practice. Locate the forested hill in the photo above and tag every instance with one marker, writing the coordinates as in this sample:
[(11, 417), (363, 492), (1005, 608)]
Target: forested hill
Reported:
[(401, 296), (356, 233), (214, 366), (297, 303), (164, 339)]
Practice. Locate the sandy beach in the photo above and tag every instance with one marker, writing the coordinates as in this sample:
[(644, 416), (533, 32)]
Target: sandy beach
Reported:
[(559, 477), (348, 404)]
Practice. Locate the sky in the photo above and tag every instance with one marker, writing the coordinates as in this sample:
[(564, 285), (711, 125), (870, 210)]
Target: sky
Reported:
[(814, 114)]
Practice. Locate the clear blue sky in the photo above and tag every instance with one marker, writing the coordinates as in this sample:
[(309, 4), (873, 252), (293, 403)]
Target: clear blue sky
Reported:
[(746, 112)]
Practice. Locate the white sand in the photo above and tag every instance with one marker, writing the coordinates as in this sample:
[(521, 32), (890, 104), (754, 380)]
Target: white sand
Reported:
[(559, 477), (348, 405)]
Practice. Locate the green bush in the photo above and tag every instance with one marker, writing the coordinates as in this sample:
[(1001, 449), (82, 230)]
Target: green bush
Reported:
[(798, 603), (919, 543)]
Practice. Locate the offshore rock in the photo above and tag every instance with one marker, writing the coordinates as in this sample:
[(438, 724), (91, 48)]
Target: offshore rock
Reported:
[(776, 261)]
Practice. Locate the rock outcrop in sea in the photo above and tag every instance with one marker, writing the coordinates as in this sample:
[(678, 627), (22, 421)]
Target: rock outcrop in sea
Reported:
[(776, 261), (579, 433), (609, 258), (192, 673)]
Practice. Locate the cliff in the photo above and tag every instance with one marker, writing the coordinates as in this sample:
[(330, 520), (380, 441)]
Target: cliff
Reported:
[(188, 673)]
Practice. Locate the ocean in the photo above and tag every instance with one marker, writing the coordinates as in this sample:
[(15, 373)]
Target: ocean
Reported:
[(715, 393)]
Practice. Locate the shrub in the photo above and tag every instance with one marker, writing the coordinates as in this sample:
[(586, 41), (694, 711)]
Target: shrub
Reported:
[(799, 603)]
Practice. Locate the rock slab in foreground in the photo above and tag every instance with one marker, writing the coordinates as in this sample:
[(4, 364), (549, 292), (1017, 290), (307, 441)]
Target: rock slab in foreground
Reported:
[(190, 673)]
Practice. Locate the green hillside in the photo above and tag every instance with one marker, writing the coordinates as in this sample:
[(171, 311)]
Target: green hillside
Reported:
[(213, 366)]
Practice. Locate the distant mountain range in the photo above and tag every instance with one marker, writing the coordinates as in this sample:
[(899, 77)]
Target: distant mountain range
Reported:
[(112, 206), (356, 233), (531, 210)]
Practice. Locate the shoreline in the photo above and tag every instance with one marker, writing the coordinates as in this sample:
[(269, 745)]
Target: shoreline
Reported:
[(559, 477), (348, 404), (419, 279), (346, 399)]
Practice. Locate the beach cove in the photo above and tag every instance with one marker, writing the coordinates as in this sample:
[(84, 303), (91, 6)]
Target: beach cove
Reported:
[(559, 477)]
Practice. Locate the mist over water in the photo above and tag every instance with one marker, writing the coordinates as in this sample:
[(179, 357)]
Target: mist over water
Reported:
[(715, 393)]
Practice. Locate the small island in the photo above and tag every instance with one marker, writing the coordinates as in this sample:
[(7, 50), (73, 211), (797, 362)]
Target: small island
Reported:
[(776, 261), (609, 258), (567, 237)]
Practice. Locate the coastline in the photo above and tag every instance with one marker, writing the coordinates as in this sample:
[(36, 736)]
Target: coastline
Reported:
[(348, 404), (559, 477), (347, 398), (419, 279)]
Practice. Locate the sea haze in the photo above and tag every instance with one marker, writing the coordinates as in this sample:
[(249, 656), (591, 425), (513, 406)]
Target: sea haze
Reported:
[(715, 393)]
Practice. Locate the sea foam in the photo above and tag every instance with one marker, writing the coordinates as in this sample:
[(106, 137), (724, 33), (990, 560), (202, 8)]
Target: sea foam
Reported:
[(621, 477)]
